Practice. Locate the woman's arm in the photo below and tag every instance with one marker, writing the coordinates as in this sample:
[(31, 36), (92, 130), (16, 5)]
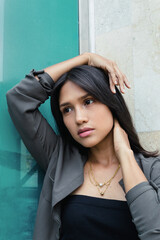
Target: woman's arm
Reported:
[(116, 77), (132, 174), (143, 196), (23, 101)]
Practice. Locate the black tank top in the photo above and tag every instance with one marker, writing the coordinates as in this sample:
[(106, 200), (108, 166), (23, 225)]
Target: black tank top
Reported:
[(91, 218)]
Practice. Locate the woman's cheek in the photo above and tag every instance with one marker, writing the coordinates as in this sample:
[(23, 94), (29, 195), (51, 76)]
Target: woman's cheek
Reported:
[(67, 123)]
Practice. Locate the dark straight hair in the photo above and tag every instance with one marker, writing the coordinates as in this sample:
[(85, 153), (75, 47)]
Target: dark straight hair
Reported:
[(96, 82)]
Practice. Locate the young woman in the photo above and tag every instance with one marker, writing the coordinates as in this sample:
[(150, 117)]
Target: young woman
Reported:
[(100, 183)]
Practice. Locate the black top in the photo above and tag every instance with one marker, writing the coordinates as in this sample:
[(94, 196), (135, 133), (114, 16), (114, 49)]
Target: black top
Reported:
[(91, 218)]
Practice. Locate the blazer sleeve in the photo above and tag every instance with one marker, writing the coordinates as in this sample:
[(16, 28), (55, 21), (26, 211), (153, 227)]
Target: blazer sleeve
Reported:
[(144, 204), (23, 102)]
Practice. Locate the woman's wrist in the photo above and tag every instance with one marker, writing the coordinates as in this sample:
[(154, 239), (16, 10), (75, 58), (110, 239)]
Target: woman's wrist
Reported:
[(57, 70), (124, 155), (87, 57), (131, 172)]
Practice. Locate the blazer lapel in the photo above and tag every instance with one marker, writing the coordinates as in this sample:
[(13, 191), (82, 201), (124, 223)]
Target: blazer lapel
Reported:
[(69, 173)]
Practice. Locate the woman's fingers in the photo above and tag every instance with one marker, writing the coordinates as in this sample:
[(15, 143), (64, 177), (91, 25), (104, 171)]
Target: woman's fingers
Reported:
[(118, 78), (122, 76), (126, 82), (112, 85), (114, 78)]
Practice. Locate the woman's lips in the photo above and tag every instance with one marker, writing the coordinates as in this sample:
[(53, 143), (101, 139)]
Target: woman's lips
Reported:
[(86, 133)]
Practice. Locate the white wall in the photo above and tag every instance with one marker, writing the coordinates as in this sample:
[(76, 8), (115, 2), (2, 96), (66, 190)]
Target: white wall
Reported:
[(128, 32)]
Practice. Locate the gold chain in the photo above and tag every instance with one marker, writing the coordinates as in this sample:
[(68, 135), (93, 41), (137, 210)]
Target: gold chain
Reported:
[(100, 185)]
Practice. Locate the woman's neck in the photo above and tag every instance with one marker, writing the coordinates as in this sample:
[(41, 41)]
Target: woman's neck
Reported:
[(103, 153)]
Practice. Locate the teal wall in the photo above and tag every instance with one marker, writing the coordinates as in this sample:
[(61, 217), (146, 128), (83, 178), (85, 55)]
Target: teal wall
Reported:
[(33, 34)]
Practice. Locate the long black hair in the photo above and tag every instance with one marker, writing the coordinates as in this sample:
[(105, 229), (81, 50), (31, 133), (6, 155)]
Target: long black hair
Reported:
[(96, 82)]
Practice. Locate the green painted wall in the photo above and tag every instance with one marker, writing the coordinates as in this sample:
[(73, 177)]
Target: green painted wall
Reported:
[(34, 34)]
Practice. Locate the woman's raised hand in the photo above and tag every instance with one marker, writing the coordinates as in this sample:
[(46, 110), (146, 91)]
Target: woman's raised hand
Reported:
[(121, 141), (116, 77)]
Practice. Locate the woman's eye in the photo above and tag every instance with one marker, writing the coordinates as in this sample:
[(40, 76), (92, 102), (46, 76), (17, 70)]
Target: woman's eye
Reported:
[(66, 110), (89, 101)]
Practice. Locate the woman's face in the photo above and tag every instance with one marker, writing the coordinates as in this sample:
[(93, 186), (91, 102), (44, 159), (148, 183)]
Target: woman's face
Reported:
[(80, 110)]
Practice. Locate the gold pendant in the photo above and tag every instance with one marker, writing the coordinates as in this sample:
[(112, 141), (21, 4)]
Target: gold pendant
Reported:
[(101, 184)]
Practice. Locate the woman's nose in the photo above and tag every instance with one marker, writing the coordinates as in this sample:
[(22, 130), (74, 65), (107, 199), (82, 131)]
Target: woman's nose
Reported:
[(81, 116)]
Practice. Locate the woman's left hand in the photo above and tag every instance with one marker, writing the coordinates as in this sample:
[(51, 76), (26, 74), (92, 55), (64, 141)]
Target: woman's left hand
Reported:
[(116, 77), (121, 141)]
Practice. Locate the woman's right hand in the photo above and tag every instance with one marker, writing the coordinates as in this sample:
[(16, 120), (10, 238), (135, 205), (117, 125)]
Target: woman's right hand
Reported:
[(116, 77)]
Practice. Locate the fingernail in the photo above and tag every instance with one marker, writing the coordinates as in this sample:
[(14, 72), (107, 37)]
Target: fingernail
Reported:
[(116, 82)]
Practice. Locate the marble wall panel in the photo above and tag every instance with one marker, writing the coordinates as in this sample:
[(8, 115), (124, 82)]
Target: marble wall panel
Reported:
[(145, 29), (128, 31), (122, 55), (150, 140), (111, 15)]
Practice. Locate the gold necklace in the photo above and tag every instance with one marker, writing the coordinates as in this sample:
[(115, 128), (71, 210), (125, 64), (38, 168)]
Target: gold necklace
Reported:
[(100, 185)]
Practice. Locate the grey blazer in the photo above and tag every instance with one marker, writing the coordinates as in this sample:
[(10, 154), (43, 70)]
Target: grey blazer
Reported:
[(64, 170)]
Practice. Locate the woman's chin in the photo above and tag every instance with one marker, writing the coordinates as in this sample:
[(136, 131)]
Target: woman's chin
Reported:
[(88, 144)]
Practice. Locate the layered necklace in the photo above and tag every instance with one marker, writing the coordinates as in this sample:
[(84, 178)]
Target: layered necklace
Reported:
[(100, 185)]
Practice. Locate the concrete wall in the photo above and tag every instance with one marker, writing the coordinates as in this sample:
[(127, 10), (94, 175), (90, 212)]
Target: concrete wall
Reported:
[(128, 32)]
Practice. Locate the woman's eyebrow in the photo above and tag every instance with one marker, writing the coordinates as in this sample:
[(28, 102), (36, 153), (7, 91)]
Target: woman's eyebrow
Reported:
[(67, 103)]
